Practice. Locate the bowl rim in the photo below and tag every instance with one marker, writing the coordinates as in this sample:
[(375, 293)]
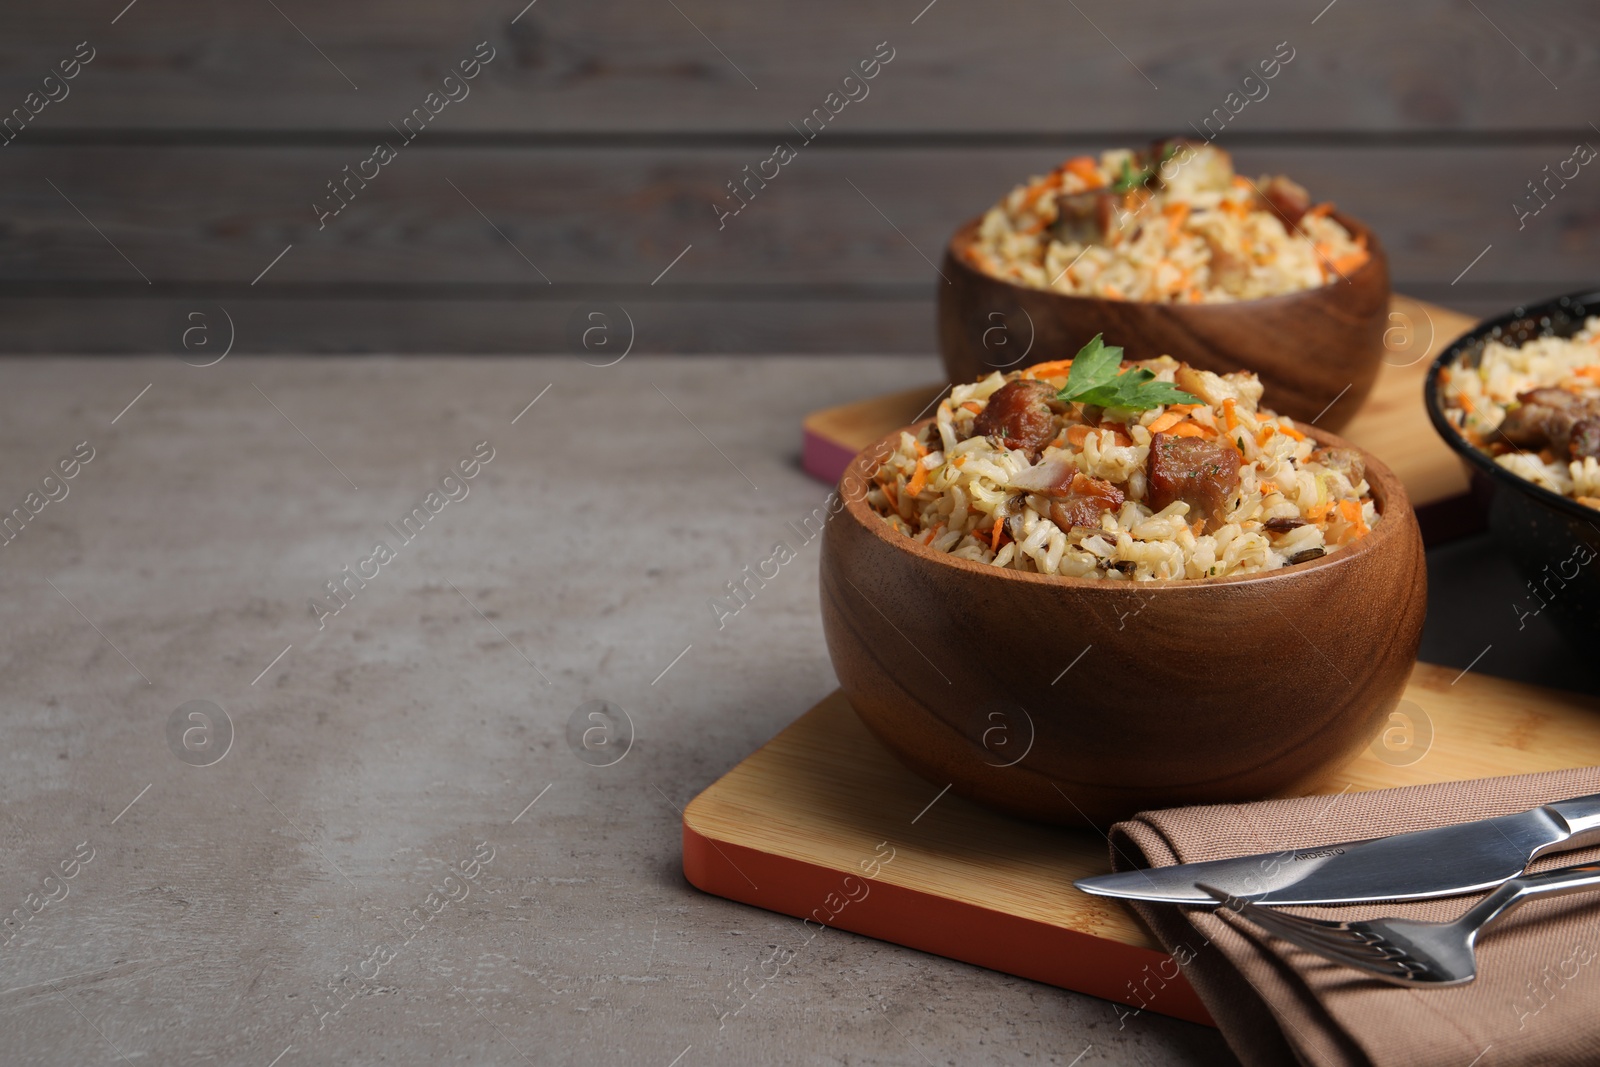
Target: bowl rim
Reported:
[(965, 233), (1476, 458), (1388, 493)]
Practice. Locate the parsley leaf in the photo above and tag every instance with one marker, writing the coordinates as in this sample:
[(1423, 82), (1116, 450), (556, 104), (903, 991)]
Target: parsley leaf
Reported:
[(1093, 379), (1127, 180), (1095, 365), (1131, 179)]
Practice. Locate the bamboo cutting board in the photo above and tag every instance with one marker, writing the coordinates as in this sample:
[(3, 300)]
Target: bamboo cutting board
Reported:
[(1392, 424), (823, 823)]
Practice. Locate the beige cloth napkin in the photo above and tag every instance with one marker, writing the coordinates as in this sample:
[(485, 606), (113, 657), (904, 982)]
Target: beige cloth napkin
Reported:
[(1537, 996)]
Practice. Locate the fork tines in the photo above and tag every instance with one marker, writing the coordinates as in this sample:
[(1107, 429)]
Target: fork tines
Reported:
[(1353, 944)]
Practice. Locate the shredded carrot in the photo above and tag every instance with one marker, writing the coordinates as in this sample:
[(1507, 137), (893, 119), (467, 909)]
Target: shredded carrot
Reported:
[(1262, 416), (1241, 182), (1119, 433), (1319, 513), (1351, 261), (1290, 431), (1191, 429), (1165, 422), (1114, 293), (1177, 214), (994, 540), (1466, 403), (1086, 168), (894, 498), (1199, 527), (1194, 296), (1056, 368), (919, 479), (1229, 414), (1265, 435), (1269, 487), (961, 461), (1044, 185), (1324, 208), (1077, 435), (974, 407), (1351, 510), (1592, 372), (933, 533), (1184, 409)]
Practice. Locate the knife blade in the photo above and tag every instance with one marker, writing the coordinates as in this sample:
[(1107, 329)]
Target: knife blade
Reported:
[(1441, 862)]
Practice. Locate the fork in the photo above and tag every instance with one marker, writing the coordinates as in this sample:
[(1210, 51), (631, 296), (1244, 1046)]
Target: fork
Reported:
[(1405, 951)]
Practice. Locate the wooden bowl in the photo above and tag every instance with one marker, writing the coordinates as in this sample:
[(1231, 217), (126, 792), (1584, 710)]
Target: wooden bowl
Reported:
[(1082, 701), (1317, 351)]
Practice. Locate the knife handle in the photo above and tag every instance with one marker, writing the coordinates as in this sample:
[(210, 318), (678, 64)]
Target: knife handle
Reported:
[(1582, 818), (1524, 888)]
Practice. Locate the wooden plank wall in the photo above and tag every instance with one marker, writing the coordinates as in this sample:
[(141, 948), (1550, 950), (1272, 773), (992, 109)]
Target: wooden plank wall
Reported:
[(585, 157)]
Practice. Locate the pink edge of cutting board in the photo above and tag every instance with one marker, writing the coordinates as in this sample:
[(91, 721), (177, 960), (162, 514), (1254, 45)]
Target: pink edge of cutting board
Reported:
[(823, 459)]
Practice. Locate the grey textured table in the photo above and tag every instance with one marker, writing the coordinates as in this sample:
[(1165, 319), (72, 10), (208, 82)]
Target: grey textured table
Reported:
[(380, 750), (423, 728)]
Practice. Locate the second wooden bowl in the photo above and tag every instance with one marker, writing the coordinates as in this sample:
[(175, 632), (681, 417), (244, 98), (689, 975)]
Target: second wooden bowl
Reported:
[(1077, 701), (1317, 351)]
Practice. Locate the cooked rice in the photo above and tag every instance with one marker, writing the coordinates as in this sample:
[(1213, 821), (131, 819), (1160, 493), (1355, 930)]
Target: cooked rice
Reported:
[(968, 488), (1203, 235), (1477, 400)]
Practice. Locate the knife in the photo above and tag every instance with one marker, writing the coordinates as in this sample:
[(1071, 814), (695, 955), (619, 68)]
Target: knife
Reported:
[(1442, 862)]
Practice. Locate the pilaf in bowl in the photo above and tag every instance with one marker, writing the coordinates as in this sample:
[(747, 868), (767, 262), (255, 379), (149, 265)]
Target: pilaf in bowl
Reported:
[(1087, 469), (1088, 676), (1533, 407), (1174, 224), (1171, 252), (1518, 398)]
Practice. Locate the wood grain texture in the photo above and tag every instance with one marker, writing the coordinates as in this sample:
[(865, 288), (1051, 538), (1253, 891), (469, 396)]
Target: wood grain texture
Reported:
[(1316, 351), (1393, 423), (798, 320), (598, 139), (817, 799), (1176, 692), (1020, 65), (618, 216)]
